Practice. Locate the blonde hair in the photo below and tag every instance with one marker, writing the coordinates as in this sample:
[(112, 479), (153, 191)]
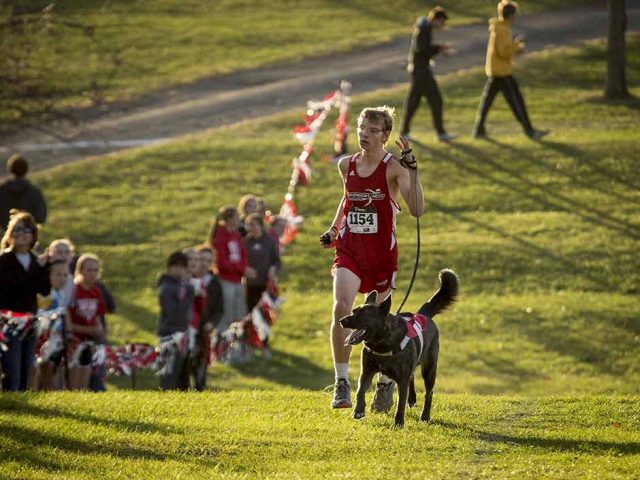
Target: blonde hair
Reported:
[(383, 115), (63, 241), (84, 258)]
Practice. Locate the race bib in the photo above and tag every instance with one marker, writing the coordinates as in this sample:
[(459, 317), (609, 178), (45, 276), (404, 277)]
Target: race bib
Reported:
[(363, 220)]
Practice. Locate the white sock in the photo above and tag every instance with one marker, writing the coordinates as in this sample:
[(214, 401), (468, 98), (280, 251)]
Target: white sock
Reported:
[(383, 378), (342, 371)]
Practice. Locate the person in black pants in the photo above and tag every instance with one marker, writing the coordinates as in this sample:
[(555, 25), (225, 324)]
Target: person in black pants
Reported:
[(500, 50), (422, 81)]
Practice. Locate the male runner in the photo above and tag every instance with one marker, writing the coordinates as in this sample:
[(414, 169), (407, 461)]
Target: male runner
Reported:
[(363, 230)]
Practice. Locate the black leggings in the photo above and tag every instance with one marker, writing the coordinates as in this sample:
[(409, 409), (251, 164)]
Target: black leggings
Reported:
[(509, 88), (423, 85)]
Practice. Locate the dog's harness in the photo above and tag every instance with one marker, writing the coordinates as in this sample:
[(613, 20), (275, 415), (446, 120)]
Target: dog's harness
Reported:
[(416, 325)]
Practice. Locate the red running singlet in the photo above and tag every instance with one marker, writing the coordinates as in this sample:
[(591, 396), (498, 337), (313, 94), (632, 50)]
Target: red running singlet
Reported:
[(366, 242)]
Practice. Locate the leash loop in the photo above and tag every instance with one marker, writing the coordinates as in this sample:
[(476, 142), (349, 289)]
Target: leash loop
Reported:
[(415, 266)]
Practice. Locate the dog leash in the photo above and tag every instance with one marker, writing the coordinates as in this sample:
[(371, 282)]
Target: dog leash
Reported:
[(415, 266)]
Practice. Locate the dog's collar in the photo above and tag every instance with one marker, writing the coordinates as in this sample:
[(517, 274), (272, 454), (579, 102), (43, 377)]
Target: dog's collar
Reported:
[(384, 354)]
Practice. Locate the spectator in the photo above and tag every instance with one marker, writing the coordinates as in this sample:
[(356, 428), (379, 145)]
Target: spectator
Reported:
[(422, 80), (194, 260), (175, 296), (49, 375), (231, 264), (500, 50), (65, 251), (276, 230), (18, 193), (109, 299), (22, 277), (207, 311), (261, 207), (85, 325), (263, 257), (214, 307), (247, 205)]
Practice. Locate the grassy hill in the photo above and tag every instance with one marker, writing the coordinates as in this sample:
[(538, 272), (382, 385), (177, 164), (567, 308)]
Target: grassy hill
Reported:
[(539, 362), (70, 53)]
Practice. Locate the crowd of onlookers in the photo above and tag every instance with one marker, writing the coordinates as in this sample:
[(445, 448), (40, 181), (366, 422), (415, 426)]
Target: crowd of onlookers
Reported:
[(205, 289), (211, 286)]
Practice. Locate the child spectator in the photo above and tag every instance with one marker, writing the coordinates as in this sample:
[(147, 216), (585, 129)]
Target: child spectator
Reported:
[(22, 277), (247, 205), (193, 258), (276, 230), (207, 311), (175, 296), (84, 323), (65, 251), (231, 264), (263, 257), (49, 374)]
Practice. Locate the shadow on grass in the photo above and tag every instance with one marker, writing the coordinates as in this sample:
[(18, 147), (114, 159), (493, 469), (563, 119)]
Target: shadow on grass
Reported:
[(537, 251), (512, 377), (585, 159), (27, 439), (555, 444), (547, 197), (18, 404), (288, 369)]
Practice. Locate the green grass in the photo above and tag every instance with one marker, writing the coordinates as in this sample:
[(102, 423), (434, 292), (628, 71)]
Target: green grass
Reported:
[(538, 374), (268, 435), (136, 47)]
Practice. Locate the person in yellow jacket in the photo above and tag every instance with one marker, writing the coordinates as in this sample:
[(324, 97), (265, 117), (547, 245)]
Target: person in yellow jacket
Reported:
[(500, 50)]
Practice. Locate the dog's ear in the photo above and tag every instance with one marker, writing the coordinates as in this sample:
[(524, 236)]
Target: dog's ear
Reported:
[(372, 298), (386, 305)]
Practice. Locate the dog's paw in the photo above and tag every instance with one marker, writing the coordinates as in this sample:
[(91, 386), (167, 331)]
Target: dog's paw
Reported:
[(358, 415)]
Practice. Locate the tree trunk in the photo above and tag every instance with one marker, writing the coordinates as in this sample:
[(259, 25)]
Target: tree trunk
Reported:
[(616, 84)]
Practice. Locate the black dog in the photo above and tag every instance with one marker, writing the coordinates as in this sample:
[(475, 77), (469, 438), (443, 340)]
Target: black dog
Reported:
[(394, 347)]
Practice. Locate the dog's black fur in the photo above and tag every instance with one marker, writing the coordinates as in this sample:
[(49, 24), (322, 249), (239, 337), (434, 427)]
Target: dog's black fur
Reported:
[(382, 334)]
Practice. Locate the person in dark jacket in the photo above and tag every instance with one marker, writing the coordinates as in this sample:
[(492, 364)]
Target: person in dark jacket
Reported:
[(208, 308), (175, 295), (22, 277), (422, 81), (263, 256), (20, 194), (501, 48)]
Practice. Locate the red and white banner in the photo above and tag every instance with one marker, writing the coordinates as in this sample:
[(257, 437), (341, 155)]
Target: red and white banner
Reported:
[(306, 134)]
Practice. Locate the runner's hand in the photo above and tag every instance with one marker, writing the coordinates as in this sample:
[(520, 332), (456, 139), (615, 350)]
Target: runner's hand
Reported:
[(407, 160), (328, 238)]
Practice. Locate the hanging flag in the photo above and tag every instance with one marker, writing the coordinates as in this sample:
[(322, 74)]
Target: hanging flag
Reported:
[(341, 129)]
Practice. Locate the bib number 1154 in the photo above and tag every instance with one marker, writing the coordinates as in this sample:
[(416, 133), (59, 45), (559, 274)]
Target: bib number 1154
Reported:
[(363, 222)]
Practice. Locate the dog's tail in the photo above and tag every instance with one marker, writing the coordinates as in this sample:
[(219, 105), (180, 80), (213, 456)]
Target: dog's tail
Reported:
[(444, 297)]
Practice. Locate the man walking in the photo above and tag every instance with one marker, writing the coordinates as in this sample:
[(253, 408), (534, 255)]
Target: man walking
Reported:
[(500, 50), (422, 81)]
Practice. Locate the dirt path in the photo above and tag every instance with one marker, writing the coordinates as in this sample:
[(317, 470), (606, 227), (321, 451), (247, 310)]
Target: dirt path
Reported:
[(254, 93)]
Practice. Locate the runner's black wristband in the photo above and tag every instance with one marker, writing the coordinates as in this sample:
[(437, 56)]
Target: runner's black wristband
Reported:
[(410, 164)]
